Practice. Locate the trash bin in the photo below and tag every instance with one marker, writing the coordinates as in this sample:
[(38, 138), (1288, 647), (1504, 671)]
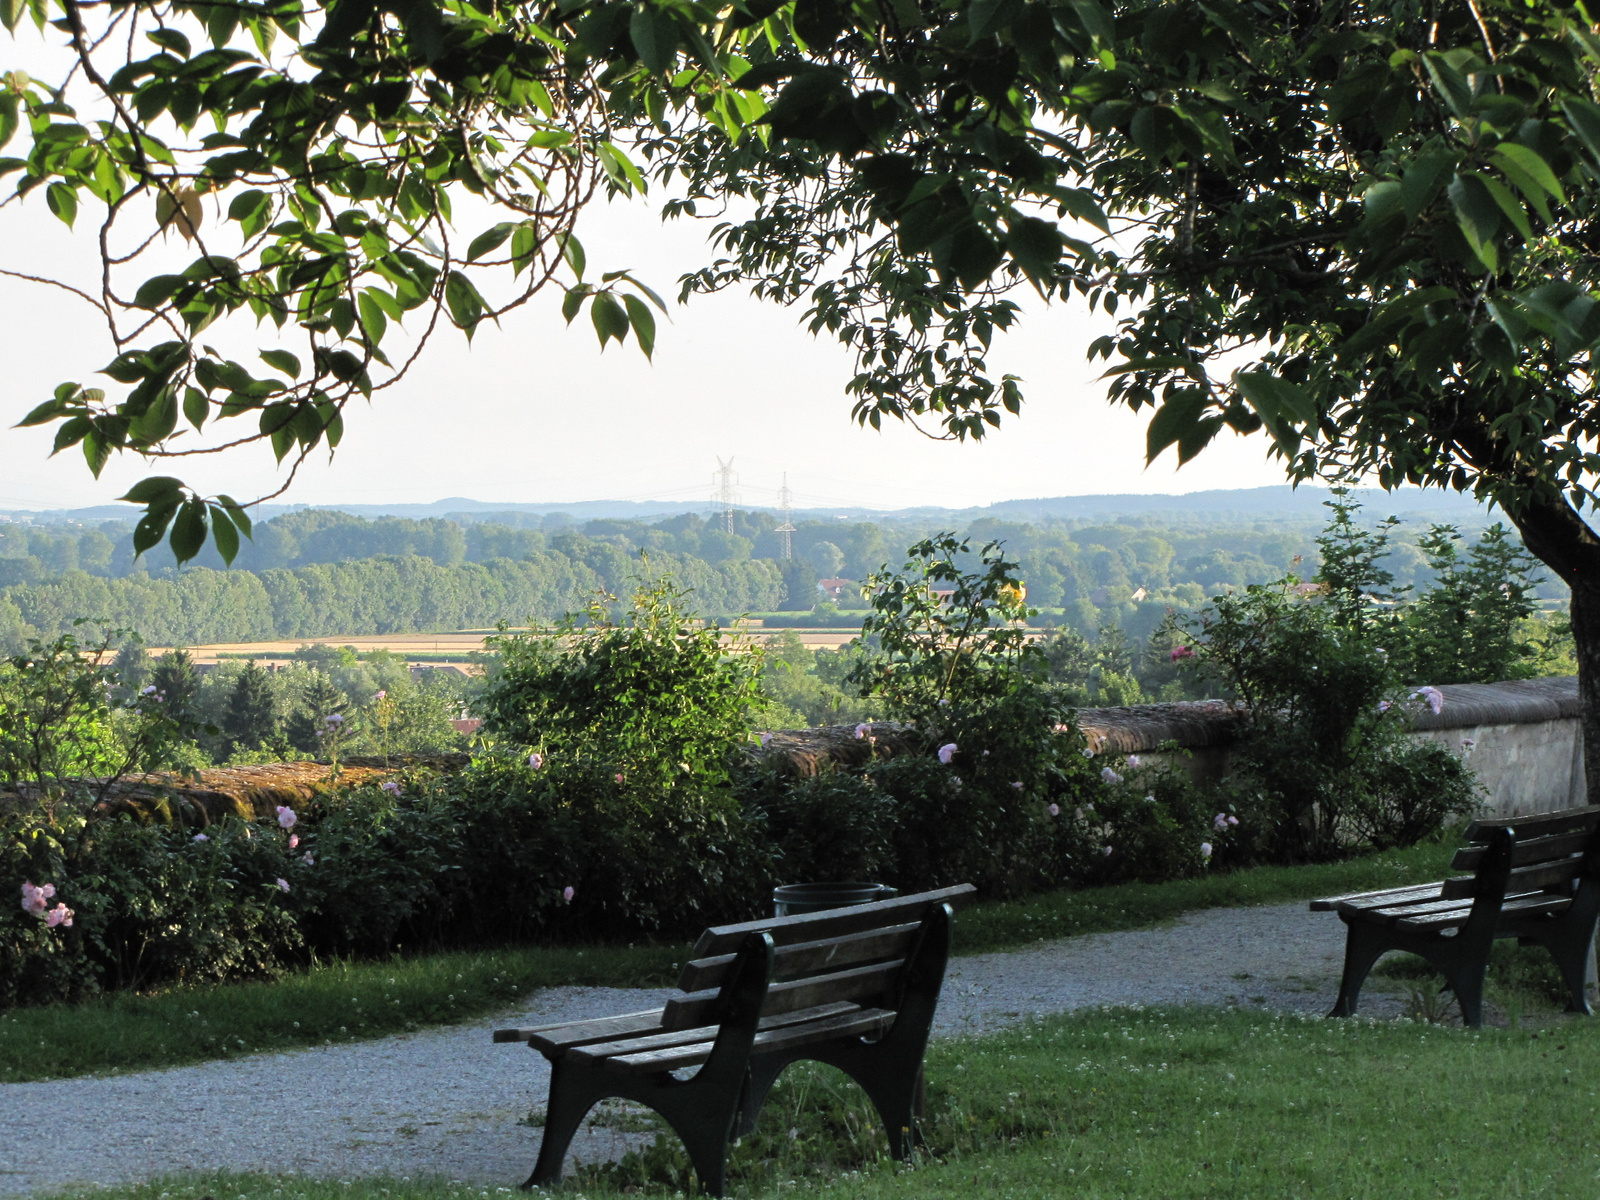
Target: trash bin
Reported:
[(793, 899)]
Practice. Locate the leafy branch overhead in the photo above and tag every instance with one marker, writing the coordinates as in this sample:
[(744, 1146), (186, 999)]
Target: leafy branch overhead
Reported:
[(296, 171), (1363, 228)]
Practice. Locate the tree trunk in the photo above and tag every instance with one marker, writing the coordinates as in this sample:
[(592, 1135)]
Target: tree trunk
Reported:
[(1561, 539)]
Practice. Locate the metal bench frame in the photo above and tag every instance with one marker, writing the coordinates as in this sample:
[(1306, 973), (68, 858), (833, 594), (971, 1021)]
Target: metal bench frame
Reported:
[(778, 1001), (1536, 879)]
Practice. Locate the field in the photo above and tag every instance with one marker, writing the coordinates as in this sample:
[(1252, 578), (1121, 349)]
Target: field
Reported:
[(459, 646)]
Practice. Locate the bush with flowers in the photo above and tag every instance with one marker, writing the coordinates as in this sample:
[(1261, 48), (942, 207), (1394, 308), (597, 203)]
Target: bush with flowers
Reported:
[(1325, 708)]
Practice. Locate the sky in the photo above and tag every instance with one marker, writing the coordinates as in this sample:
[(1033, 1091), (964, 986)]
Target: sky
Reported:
[(534, 412)]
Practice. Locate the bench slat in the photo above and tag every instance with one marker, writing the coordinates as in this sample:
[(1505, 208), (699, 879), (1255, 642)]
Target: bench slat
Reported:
[(833, 922), (858, 983), (1539, 825), (1537, 904), (1523, 879), (1398, 913), (861, 1023), (576, 1033), (1369, 899), (1539, 849), (808, 958), (706, 1033)]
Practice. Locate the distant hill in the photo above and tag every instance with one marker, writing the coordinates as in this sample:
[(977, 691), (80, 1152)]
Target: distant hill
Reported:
[(1245, 503)]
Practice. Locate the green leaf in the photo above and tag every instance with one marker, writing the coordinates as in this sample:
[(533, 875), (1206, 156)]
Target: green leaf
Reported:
[(1081, 203), (282, 360), (1478, 217), (188, 530), (156, 291), (373, 321), (224, 535), (572, 302), (196, 408), (1584, 118), (63, 201), (987, 17), (157, 422), (1532, 165), (1422, 180), (11, 13), (572, 251), (1035, 246), (1177, 417), (1096, 20), (151, 526), (1159, 363), (1451, 84), (610, 321), (236, 511), (48, 411), (466, 305), (524, 242), (643, 322), (655, 36), (8, 116), (1508, 204), (157, 489), (489, 239), (1276, 399), (1386, 320)]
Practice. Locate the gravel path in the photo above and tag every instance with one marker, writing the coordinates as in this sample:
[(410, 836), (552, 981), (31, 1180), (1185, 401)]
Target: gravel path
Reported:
[(447, 1102)]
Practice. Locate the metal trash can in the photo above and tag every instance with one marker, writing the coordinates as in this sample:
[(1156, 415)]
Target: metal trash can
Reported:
[(794, 899)]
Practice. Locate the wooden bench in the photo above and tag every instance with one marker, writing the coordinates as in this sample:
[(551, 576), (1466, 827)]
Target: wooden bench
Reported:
[(1536, 879), (852, 987)]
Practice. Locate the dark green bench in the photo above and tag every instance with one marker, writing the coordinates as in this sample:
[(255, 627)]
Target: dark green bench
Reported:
[(1536, 879), (852, 987)]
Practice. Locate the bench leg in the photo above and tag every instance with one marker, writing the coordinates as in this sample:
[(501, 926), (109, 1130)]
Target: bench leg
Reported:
[(1363, 946), (1467, 984), (572, 1094), (758, 1082)]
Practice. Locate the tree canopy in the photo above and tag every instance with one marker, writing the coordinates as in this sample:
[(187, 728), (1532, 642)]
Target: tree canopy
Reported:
[(1365, 227)]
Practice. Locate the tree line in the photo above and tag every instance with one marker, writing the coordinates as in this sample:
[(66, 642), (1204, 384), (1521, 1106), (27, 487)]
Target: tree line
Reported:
[(319, 573)]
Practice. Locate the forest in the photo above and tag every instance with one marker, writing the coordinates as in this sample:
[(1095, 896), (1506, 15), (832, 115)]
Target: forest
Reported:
[(318, 574)]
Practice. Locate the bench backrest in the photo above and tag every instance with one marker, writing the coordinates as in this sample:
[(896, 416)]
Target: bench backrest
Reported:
[(1550, 852), (855, 954)]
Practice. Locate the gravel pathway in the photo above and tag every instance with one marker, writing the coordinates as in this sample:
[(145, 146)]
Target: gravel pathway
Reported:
[(447, 1102)]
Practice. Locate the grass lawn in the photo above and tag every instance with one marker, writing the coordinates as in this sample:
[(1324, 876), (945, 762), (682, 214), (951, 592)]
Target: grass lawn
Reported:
[(1168, 1103), (348, 1001)]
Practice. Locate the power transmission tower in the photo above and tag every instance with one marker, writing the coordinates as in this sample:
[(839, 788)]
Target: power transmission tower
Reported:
[(725, 497), (785, 530)]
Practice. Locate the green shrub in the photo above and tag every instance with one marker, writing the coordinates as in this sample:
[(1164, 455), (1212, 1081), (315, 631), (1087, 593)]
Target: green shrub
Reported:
[(149, 903), (831, 827)]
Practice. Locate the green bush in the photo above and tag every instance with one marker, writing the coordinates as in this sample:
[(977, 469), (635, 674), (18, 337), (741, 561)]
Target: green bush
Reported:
[(149, 904), (831, 827)]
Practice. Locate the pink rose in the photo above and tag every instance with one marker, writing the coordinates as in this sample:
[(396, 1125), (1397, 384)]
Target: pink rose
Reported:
[(34, 898), (286, 817), (567, 893), (947, 752), (59, 915), (618, 777), (536, 760), (283, 885), (294, 841), (1054, 810), (391, 787), (308, 859)]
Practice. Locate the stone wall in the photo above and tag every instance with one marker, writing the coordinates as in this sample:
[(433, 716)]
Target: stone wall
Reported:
[(1522, 738)]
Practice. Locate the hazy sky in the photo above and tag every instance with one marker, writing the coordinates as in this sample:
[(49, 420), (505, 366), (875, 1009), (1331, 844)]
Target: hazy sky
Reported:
[(534, 412)]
